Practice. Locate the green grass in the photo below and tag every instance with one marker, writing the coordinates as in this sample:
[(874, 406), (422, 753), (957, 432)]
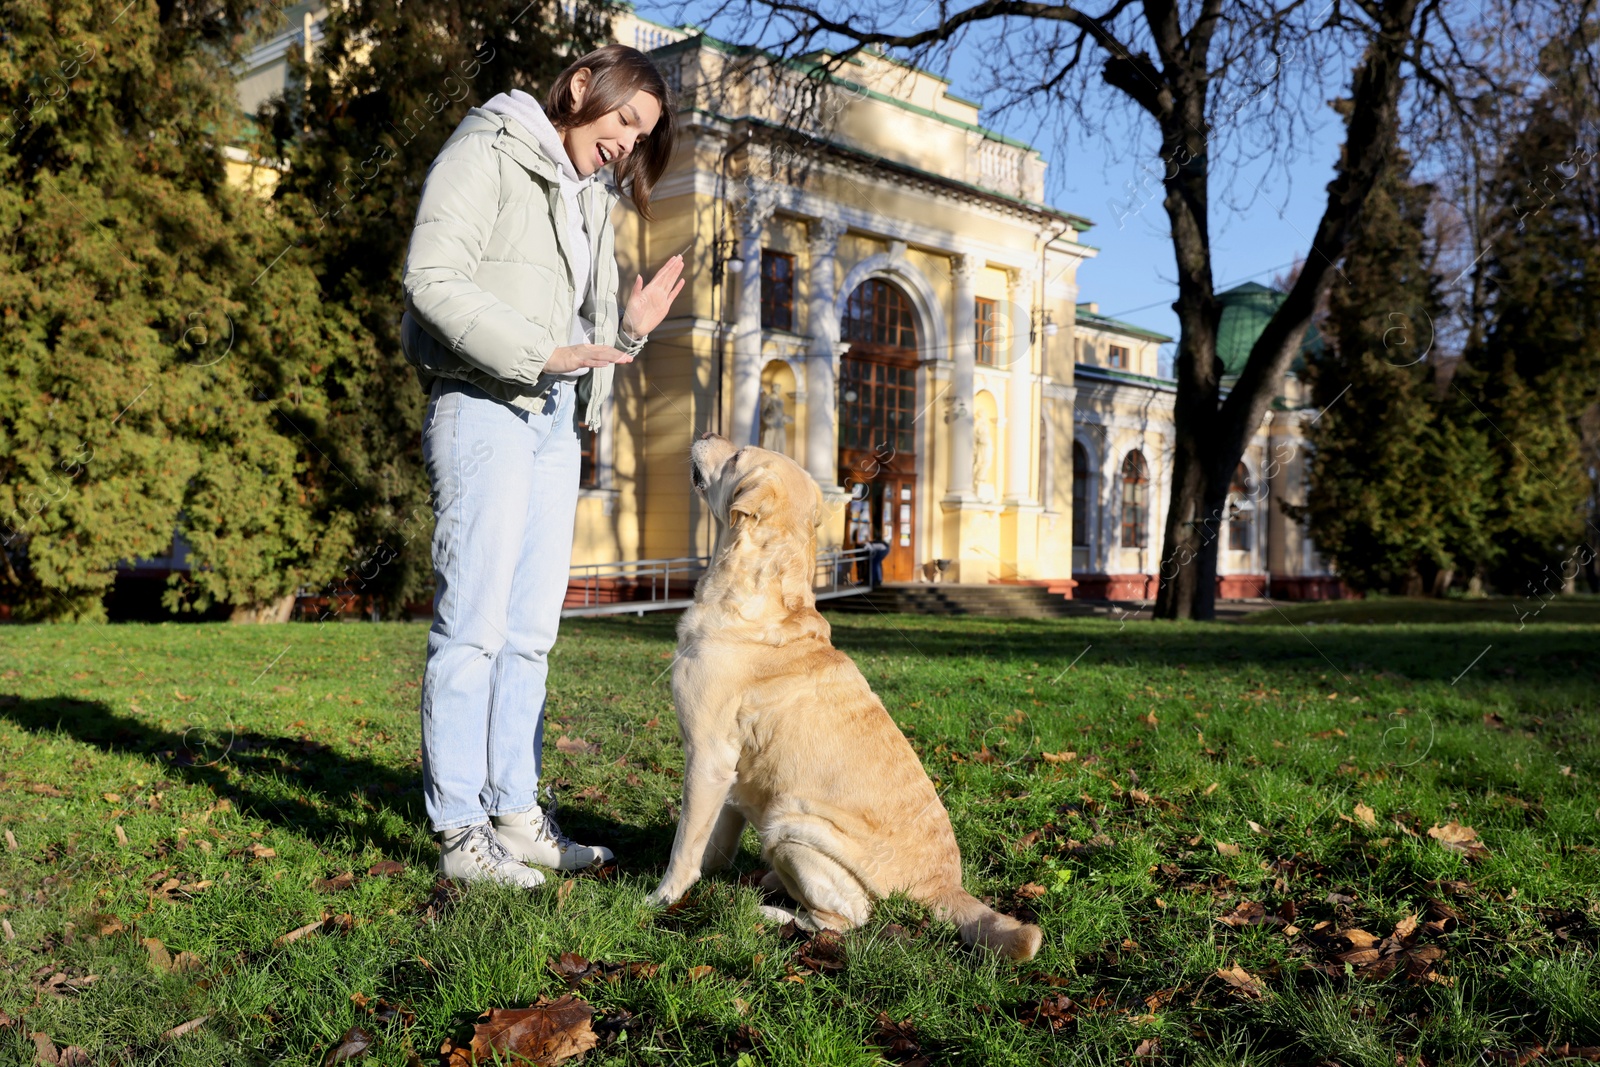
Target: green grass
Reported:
[(1519, 612), (309, 734)]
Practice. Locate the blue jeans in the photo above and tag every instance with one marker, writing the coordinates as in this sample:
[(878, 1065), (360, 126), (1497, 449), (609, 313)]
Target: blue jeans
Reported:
[(505, 490)]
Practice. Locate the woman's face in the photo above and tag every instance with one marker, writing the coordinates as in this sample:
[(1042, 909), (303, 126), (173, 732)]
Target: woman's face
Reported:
[(613, 135)]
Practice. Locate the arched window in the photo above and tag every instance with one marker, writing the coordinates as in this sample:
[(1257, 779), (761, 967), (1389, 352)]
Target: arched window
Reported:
[(1135, 500), (1080, 496), (1241, 510), (879, 313)]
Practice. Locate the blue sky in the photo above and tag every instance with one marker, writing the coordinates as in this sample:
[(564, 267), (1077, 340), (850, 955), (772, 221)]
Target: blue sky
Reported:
[(1100, 177)]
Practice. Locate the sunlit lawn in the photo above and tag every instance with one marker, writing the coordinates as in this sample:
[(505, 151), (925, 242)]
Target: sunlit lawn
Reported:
[(1194, 770)]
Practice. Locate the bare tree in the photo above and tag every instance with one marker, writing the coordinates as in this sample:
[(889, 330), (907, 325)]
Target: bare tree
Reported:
[(1221, 83)]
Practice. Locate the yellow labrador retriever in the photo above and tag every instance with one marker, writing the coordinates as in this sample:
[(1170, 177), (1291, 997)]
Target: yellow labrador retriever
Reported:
[(780, 728)]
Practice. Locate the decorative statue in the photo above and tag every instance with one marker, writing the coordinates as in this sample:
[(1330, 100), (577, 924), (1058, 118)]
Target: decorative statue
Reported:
[(773, 419), (982, 451)]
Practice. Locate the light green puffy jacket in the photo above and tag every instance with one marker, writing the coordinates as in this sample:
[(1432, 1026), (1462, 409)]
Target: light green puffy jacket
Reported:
[(488, 279)]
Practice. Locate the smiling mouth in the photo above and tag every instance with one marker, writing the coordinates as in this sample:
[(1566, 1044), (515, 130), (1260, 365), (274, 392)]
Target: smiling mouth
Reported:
[(605, 156)]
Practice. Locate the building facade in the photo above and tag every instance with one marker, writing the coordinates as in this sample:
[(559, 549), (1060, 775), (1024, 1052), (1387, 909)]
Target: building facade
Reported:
[(876, 287)]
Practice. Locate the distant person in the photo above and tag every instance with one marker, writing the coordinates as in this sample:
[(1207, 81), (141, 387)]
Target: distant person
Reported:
[(512, 322), (877, 549)]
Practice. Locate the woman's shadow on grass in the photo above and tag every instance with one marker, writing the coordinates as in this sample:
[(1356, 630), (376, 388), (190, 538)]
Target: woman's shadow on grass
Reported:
[(261, 773)]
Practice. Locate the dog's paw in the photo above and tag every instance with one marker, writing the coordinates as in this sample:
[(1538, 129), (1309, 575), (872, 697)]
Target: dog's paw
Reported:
[(663, 896)]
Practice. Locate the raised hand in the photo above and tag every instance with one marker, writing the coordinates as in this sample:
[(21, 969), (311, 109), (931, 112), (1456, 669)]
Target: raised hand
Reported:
[(648, 304)]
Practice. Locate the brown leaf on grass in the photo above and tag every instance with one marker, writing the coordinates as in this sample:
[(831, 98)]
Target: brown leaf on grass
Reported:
[(1241, 981), (1368, 817), (704, 970), (1375, 958), (573, 969), (44, 1049), (563, 891), (1493, 720), (259, 851), (109, 925), (1226, 849), (899, 1041), (548, 1033), (1030, 838), (1148, 1049), (338, 924), (1439, 917), (297, 933), (1159, 999), (1031, 891), (45, 790), (823, 953), (983, 755), (1053, 1013), (577, 746), (1460, 839), (355, 1042), (1249, 913), (384, 868), (337, 884), (184, 1028), (1058, 757)]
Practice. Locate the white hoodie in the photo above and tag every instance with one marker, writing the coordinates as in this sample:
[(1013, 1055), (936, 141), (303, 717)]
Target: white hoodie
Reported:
[(525, 110)]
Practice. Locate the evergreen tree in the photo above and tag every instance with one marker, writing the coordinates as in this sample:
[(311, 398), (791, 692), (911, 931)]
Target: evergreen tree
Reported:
[(1395, 491), (359, 127), (1533, 381), (157, 339)]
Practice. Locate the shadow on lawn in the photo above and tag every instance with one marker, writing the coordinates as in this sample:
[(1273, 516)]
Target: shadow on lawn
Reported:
[(1417, 653), (256, 760)]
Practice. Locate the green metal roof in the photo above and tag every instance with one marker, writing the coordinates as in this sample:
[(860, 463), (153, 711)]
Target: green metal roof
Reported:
[(1106, 322), (1245, 311)]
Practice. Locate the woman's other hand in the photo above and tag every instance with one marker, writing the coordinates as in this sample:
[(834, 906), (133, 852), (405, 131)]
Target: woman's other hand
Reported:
[(576, 357), (648, 304)]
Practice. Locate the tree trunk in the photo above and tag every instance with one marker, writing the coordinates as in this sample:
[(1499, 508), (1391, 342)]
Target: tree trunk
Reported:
[(277, 610)]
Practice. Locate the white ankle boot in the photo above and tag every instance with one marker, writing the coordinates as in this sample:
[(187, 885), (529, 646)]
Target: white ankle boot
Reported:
[(533, 836), (475, 853)]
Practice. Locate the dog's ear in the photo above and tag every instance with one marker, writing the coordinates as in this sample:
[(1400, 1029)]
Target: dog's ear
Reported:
[(751, 499)]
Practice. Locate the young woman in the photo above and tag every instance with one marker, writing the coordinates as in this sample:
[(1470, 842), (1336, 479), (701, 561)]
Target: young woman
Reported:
[(512, 324)]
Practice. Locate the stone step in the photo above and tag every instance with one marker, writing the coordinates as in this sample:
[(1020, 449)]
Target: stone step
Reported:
[(987, 601)]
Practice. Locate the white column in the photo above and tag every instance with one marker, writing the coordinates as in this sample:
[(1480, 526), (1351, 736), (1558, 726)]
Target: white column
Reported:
[(754, 212), (963, 351), (822, 430), (1019, 392)]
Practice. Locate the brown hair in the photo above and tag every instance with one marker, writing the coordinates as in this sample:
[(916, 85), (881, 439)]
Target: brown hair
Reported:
[(616, 72)]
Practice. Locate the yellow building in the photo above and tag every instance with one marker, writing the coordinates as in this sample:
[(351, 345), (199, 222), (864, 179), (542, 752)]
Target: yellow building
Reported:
[(876, 287)]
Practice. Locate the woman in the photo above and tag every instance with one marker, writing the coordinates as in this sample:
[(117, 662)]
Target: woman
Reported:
[(512, 324)]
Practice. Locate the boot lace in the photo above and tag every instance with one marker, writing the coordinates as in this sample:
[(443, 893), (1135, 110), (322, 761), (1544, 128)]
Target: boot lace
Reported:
[(487, 846)]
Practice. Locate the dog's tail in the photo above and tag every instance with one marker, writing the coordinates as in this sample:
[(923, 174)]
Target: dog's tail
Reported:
[(982, 926)]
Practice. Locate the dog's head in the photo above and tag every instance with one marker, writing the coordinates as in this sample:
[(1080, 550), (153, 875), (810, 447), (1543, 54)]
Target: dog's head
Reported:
[(752, 486)]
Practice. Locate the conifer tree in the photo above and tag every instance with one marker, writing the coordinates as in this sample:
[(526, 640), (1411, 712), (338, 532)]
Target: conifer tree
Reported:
[(1394, 492), (156, 340), (1533, 380), (358, 128)]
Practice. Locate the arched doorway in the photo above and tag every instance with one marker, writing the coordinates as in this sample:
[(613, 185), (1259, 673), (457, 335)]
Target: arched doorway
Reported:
[(877, 408)]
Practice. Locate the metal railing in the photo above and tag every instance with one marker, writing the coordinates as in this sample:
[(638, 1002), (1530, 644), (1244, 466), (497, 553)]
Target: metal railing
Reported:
[(641, 585)]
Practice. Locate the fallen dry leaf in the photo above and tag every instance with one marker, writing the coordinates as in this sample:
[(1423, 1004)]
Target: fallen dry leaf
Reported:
[(1212, 788), (184, 1028), (1241, 981), (1459, 839), (384, 868), (261, 852), (1058, 757), (1052, 1013), (1149, 1049), (899, 1041), (696, 973), (824, 953), (548, 1033), (355, 1042), (336, 884), (297, 933), (1226, 849), (1031, 891), (1030, 838), (1368, 817), (577, 746)]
